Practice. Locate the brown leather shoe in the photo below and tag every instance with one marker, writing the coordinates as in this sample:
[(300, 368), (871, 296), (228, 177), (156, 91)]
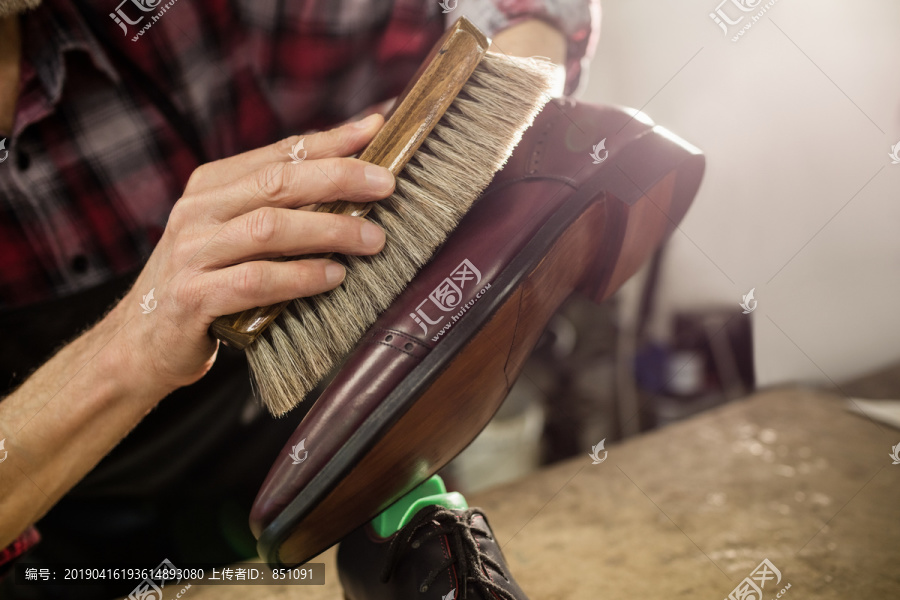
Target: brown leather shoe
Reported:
[(441, 553), (588, 195)]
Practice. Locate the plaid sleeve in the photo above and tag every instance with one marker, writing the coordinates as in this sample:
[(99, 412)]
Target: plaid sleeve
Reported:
[(578, 20), (25, 541)]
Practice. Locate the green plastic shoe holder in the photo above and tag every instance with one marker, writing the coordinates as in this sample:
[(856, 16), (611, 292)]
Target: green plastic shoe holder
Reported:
[(430, 492)]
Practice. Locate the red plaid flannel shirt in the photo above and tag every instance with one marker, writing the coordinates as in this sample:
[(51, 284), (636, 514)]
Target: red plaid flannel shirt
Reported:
[(95, 160)]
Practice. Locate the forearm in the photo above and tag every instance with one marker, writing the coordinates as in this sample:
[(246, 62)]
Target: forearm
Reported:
[(535, 38), (565, 31), (66, 417)]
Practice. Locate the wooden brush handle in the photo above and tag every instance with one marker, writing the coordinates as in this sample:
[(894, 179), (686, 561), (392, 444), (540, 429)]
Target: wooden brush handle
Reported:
[(430, 92)]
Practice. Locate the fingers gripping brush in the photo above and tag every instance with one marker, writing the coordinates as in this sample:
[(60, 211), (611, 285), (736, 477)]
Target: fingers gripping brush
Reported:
[(451, 130)]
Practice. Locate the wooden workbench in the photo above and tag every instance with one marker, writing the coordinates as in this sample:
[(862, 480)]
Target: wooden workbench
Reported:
[(688, 511)]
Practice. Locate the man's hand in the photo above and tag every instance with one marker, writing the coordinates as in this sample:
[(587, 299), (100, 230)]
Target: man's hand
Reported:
[(234, 214)]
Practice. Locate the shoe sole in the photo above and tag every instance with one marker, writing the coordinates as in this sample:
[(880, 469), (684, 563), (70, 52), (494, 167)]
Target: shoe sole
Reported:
[(394, 449)]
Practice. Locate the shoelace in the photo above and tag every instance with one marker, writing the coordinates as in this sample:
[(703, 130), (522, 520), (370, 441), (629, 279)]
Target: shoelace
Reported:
[(466, 554)]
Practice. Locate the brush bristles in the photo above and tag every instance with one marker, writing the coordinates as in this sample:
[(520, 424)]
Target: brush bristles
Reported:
[(456, 162)]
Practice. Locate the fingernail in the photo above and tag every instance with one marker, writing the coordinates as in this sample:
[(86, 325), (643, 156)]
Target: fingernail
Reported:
[(379, 178), (334, 273), (372, 235), (366, 122)]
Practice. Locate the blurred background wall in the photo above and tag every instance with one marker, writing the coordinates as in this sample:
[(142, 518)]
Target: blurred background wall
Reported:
[(800, 199)]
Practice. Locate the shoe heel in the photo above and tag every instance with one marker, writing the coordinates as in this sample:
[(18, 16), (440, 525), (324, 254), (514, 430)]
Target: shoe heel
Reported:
[(648, 188)]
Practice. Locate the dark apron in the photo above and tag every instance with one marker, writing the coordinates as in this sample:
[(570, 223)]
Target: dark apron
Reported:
[(179, 486)]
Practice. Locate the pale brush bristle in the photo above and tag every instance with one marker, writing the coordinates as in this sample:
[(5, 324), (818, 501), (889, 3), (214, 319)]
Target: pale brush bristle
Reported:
[(437, 187)]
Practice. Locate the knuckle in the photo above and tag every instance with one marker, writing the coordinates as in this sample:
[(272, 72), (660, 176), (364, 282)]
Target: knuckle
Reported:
[(339, 174), (336, 138), (184, 250), (308, 278), (336, 231), (191, 294), (348, 171), (284, 146), (178, 216), (263, 224), (249, 279), (198, 177), (271, 181)]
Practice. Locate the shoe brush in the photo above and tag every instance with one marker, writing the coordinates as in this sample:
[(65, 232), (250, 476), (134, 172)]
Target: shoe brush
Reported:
[(450, 131)]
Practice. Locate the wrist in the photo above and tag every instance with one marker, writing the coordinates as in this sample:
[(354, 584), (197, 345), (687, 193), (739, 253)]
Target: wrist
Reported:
[(125, 358)]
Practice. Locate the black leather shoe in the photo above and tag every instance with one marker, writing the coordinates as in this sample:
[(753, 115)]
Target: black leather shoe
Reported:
[(441, 554)]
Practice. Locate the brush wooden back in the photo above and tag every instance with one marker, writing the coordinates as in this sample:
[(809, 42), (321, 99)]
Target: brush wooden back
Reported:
[(418, 109)]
